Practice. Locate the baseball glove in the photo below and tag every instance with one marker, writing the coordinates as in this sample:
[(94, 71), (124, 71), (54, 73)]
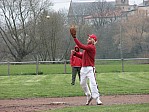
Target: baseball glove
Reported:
[(73, 31)]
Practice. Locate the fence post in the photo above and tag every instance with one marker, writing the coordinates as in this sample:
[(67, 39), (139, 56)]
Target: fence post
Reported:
[(122, 59), (65, 66), (8, 68), (37, 63)]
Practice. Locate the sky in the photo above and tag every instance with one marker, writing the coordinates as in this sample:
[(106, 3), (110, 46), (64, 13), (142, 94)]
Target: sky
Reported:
[(64, 4)]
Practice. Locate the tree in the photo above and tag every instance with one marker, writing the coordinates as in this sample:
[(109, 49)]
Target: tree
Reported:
[(52, 34), (135, 36), (19, 18), (103, 16)]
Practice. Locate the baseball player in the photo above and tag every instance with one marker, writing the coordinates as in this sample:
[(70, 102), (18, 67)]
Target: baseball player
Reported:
[(76, 64), (87, 69)]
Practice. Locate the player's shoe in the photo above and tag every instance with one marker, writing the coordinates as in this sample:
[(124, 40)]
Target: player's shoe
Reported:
[(72, 84), (89, 99), (98, 101)]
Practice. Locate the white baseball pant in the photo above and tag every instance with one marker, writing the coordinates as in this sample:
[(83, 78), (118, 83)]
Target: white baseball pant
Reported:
[(85, 74)]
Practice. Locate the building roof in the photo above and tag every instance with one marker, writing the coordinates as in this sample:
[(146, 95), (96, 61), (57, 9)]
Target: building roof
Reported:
[(105, 14), (86, 8)]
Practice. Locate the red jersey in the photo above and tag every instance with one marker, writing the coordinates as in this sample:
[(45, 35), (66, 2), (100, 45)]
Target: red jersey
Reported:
[(74, 60), (88, 56)]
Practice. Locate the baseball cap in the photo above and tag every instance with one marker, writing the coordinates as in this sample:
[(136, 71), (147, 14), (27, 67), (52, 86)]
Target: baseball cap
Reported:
[(93, 36)]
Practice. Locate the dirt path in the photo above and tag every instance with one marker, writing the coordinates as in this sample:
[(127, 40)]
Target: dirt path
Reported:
[(39, 104)]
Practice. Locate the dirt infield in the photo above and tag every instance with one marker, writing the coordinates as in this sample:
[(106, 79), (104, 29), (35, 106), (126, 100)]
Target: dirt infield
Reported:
[(39, 104)]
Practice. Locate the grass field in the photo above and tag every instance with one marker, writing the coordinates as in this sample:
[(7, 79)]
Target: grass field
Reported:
[(113, 108), (58, 85), (30, 69), (54, 83)]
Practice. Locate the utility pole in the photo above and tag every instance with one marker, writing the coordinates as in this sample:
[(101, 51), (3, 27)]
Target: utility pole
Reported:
[(121, 48), (121, 45)]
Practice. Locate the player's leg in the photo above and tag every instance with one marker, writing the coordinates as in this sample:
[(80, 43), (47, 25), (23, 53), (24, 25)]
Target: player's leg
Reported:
[(79, 68), (94, 87), (74, 72), (84, 85)]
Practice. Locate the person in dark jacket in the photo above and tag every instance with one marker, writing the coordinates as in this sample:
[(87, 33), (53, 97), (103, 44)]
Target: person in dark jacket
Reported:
[(76, 64)]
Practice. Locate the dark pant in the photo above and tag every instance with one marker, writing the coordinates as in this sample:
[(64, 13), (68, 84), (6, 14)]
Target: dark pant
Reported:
[(75, 70)]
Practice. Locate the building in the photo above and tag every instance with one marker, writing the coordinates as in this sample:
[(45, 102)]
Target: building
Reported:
[(82, 12)]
